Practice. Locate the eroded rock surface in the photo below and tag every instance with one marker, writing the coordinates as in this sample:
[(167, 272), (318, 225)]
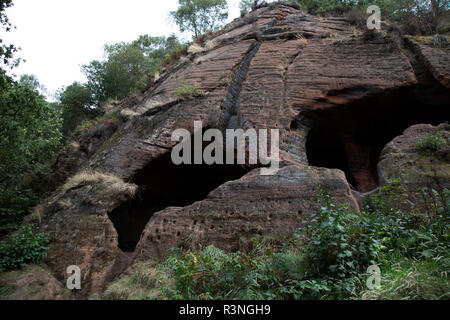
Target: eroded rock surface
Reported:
[(402, 159), (31, 283), (78, 152), (238, 210), (317, 80), (436, 60), (77, 218)]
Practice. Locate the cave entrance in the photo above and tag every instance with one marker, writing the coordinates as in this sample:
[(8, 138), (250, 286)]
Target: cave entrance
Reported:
[(163, 184), (352, 137)]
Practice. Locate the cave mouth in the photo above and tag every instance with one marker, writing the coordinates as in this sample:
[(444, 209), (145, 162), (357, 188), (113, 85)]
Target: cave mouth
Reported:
[(163, 184), (352, 137)]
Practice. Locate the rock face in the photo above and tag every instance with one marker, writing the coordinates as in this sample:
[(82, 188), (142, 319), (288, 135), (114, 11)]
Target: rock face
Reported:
[(236, 211), (77, 216), (336, 98), (31, 283), (436, 60), (402, 159), (77, 153)]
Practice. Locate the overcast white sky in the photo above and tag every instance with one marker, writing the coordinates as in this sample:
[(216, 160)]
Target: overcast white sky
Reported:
[(58, 36)]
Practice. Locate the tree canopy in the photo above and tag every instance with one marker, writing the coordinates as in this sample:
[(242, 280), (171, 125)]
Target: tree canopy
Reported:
[(76, 104), (199, 16), (29, 136), (127, 67), (420, 16)]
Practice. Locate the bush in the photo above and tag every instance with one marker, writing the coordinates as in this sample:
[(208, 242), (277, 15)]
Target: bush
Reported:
[(188, 91), (340, 246), (326, 259), (416, 16), (431, 142), (173, 56), (22, 247), (30, 139)]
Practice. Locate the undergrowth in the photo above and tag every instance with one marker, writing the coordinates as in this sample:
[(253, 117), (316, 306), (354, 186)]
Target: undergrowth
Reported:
[(22, 247), (328, 258)]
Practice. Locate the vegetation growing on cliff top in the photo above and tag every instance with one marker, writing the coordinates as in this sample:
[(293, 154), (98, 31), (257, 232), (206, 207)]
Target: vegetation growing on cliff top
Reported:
[(415, 16), (199, 16), (431, 142)]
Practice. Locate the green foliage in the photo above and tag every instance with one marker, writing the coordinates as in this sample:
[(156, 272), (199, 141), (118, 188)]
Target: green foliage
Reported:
[(325, 259), (123, 72), (409, 230), (143, 283), (31, 82), (173, 56), (76, 103), (29, 140), (7, 50), (413, 280), (340, 246), (417, 16), (127, 67), (22, 247), (431, 142), (215, 274), (188, 91), (199, 16), (29, 137)]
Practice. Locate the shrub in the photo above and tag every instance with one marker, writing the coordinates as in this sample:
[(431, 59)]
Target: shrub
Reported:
[(22, 247), (431, 142), (173, 57), (326, 259), (188, 91), (340, 245)]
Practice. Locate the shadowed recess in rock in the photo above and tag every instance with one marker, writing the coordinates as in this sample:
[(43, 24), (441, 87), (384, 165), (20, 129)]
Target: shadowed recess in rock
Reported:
[(351, 137), (163, 184)]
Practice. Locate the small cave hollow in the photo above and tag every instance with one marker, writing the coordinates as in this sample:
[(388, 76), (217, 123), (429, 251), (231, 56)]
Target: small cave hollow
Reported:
[(352, 137), (163, 184)]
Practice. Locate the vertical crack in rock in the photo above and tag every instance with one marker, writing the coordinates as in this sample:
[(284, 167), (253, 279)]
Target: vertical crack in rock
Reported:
[(163, 184), (230, 107), (291, 61), (428, 89)]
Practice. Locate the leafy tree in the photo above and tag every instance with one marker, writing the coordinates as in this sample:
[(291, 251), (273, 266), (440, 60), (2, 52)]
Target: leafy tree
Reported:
[(416, 15), (32, 82), (199, 16), (7, 50), (29, 137), (127, 67), (76, 104), (156, 49), (122, 73)]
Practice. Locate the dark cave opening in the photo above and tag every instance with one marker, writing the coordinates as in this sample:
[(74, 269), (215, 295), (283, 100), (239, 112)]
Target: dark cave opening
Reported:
[(352, 137), (163, 184)]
